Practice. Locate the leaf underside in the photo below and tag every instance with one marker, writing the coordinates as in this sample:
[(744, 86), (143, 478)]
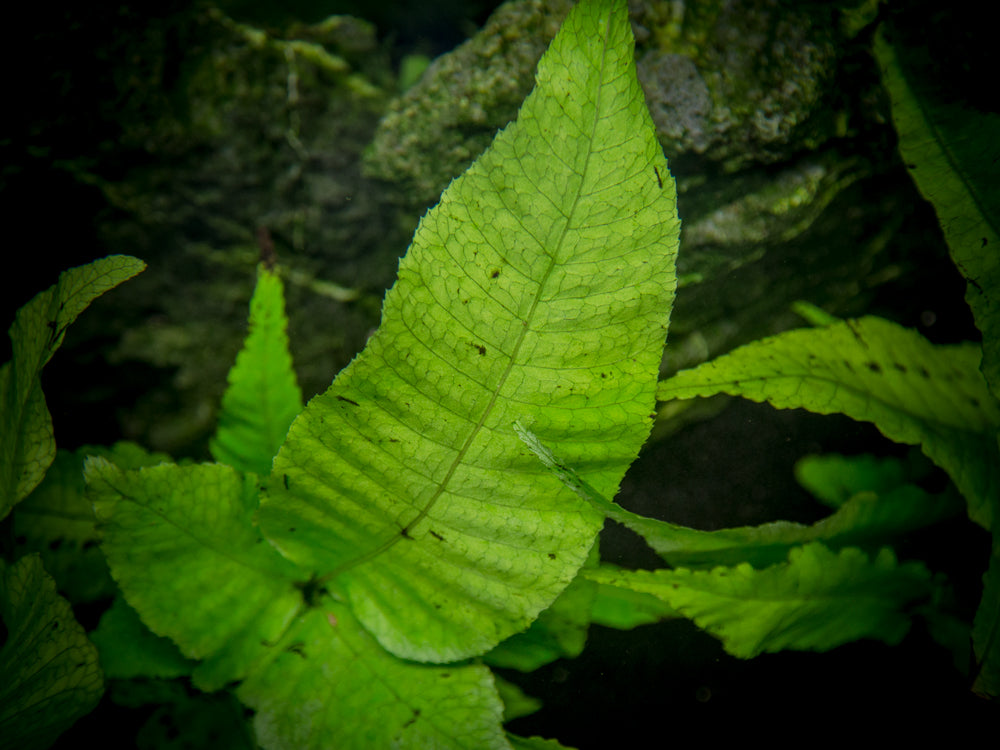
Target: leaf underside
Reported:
[(538, 290)]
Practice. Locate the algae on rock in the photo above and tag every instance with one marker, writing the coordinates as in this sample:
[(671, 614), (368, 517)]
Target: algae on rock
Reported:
[(253, 130)]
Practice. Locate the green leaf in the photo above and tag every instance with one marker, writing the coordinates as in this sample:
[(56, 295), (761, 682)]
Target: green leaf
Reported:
[(49, 674), (516, 703), (196, 721), (624, 609), (952, 152), (57, 521), (181, 542), (538, 289), (875, 371), (129, 650), (819, 599), (263, 396), (182, 545), (329, 684), (26, 444), (867, 519)]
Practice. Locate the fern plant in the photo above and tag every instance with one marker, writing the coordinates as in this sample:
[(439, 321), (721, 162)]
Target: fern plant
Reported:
[(351, 570)]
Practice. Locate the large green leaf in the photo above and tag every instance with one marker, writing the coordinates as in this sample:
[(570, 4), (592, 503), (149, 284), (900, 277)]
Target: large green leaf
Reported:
[(876, 371), (26, 444), (49, 675), (817, 600), (539, 289), (263, 396), (952, 152)]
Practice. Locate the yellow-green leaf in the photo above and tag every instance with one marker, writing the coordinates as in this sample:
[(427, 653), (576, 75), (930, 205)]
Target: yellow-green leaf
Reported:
[(539, 289)]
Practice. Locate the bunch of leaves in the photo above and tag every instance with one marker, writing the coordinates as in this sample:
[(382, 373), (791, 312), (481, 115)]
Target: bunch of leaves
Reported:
[(350, 576), (350, 573), (785, 585)]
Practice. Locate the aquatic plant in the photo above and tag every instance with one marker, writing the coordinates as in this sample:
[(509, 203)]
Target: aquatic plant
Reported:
[(350, 569)]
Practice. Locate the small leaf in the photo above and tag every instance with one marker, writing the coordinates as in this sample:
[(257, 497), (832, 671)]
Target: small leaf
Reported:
[(57, 521), (49, 673), (189, 721), (516, 703), (834, 479), (535, 743), (263, 396), (876, 371), (624, 609), (129, 650), (26, 444), (816, 601), (538, 289)]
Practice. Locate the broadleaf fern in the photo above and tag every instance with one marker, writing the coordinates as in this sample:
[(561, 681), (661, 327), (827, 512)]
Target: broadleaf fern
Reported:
[(539, 289)]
